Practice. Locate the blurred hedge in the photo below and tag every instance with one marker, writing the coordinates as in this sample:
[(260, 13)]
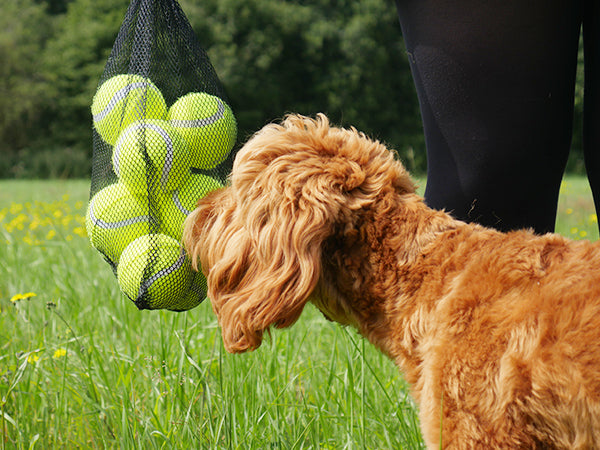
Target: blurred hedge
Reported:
[(343, 57)]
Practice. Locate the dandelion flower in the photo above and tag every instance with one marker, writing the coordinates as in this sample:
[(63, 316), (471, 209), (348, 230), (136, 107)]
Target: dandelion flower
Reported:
[(17, 297)]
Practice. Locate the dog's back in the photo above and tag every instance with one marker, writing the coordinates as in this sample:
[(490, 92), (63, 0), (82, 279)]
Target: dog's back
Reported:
[(515, 353)]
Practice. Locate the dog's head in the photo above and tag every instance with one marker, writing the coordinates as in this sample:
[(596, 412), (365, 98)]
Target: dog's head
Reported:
[(260, 241)]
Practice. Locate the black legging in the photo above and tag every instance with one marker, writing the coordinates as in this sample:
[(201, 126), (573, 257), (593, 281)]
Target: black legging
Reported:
[(495, 81)]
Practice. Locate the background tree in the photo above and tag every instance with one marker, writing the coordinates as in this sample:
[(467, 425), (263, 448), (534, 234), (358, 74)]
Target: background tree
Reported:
[(341, 57), (344, 58), (23, 91), (73, 62)]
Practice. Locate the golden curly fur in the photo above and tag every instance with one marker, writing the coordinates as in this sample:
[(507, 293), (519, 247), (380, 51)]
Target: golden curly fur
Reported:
[(498, 333)]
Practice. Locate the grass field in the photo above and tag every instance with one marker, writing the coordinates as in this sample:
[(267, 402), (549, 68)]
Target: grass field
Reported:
[(81, 367)]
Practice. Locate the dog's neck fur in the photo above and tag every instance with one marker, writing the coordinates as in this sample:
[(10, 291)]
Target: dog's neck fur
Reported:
[(368, 273)]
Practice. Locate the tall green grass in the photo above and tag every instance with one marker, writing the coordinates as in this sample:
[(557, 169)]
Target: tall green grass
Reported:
[(81, 367), (577, 217)]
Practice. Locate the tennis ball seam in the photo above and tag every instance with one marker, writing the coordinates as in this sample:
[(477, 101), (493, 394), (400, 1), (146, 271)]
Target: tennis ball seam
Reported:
[(178, 203), (169, 157), (120, 100), (146, 283), (116, 217), (117, 150), (122, 94), (197, 123), (112, 225)]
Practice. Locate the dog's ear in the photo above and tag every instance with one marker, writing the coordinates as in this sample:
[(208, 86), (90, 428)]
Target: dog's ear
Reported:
[(260, 240), (264, 251)]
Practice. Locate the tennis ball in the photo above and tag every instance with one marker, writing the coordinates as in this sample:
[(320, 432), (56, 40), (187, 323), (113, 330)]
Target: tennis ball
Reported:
[(155, 272), (114, 218), (207, 124), (151, 152), (195, 295), (175, 207), (123, 99)]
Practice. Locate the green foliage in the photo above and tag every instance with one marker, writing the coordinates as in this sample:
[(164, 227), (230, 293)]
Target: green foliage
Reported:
[(74, 60), (273, 57), (344, 58), (55, 6), (59, 161), (51, 65), (24, 28)]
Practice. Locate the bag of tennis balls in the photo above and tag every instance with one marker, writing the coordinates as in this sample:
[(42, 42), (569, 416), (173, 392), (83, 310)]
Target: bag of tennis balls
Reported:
[(164, 136)]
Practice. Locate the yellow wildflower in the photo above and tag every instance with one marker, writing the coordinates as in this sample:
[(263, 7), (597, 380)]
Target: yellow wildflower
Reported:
[(17, 297), (80, 231), (59, 353)]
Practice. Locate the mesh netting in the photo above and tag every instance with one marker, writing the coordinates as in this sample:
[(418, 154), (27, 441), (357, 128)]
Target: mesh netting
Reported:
[(163, 137)]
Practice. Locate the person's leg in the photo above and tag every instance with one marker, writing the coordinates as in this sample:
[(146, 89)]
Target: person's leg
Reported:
[(591, 114), (495, 82)]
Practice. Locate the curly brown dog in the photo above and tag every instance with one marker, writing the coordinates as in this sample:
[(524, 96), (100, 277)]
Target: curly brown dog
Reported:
[(498, 333)]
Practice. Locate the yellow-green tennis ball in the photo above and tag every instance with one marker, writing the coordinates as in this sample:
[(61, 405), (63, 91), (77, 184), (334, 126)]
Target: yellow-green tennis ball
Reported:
[(195, 295), (207, 124), (155, 272), (123, 99), (151, 153), (175, 207), (114, 218)]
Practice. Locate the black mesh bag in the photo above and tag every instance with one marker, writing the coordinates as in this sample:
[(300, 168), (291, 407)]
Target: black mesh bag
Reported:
[(164, 136)]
